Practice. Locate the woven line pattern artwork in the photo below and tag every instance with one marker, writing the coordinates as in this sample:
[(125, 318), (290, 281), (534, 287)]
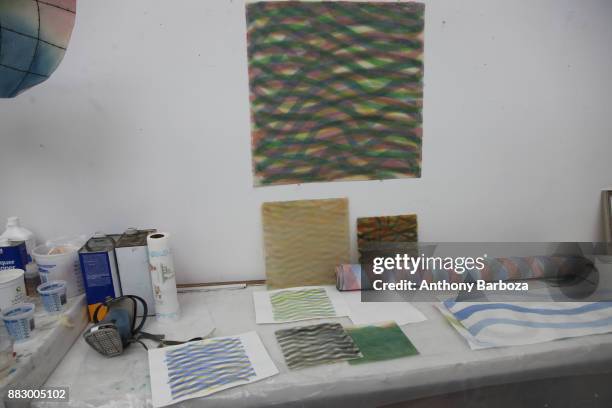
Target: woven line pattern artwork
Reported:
[(396, 228), (316, 344), (304, 241), (301, 304), (336, 90), (199, 367)]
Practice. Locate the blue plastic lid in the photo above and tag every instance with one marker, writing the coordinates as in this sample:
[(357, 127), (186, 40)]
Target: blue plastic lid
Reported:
[(21, 311), (51, 287)]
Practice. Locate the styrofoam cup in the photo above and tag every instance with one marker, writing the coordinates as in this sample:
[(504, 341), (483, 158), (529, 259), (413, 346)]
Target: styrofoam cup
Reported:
[(53, 295), (12, 288), (19, 321), (60, 262)]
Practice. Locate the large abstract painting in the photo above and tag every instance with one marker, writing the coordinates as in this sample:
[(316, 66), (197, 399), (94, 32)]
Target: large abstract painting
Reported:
[(336, 90), (33, 39), (304, 241)]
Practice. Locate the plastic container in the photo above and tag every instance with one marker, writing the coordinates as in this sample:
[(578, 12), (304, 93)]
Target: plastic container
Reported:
[(19, 321), (12, 288), (7, 356), (32, 280), (60, 261), (53, 295), (15, 232)]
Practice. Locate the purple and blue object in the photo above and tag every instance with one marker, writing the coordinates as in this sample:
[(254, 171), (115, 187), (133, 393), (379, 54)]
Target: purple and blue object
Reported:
[(34, 35)]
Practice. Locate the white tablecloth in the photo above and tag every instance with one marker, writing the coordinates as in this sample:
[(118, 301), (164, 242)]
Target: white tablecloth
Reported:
[(445, 363)]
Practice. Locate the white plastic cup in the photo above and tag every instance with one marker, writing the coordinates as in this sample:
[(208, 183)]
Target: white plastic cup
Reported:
[(12, 288), (7, 357), (53, 295), (60, 262), (19, 321)]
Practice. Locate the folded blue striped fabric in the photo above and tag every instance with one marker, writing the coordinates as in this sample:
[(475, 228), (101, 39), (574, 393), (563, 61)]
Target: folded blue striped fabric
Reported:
[(486, 325)]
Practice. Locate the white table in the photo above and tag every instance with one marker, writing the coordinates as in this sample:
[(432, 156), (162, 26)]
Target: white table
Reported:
[(50, 341), (445, 364)]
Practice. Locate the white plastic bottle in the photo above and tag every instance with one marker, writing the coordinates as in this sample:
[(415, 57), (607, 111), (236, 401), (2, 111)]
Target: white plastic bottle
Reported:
[(15, 232)]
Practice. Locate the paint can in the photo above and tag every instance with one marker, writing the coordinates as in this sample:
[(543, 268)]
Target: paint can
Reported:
[(13, 254), (133, 264), (100, 272)]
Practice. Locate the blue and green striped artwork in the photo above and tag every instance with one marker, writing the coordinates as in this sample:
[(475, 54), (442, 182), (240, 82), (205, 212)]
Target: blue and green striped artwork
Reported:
[(201, 367), (288, 305)]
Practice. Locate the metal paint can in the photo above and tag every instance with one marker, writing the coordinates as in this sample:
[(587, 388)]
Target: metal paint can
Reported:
[(133, 263), (13, 254), (100, 271)]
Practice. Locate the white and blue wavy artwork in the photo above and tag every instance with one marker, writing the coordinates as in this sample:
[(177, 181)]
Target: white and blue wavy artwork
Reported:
[(486, 325), (200, 368)]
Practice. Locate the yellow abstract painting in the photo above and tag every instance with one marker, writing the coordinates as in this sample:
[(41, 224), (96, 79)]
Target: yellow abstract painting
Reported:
[(304, 241)]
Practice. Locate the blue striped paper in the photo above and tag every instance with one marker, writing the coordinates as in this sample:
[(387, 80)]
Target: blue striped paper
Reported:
[(486, 325)]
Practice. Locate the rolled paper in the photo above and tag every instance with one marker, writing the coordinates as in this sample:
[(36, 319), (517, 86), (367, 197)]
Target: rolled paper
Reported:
[(163, 277), (534, 267), (353, 277), (349, 277)]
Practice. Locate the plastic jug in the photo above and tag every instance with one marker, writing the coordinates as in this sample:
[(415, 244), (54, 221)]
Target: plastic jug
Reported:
[(15, 232)]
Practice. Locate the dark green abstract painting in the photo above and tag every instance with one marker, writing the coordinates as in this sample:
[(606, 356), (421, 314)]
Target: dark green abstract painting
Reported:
[(379, 342), (336, 90)]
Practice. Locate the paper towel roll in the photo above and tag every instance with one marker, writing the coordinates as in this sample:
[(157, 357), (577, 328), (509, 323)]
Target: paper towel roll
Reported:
[(162, 277)]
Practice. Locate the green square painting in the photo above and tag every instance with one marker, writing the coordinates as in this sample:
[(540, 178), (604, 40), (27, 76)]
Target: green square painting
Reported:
[(379, 342)]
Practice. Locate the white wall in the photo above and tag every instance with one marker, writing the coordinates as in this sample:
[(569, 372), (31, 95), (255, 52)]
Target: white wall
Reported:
[(146, 123)]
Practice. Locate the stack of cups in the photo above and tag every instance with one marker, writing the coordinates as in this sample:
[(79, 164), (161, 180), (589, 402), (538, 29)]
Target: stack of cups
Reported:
[(7, 357), (12, 298), (53, 295), (19, 321), (60, 261)]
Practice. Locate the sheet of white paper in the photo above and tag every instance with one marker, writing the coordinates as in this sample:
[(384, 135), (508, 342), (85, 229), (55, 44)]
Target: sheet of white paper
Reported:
[(258, 356), (375, 312), (263, 307)]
